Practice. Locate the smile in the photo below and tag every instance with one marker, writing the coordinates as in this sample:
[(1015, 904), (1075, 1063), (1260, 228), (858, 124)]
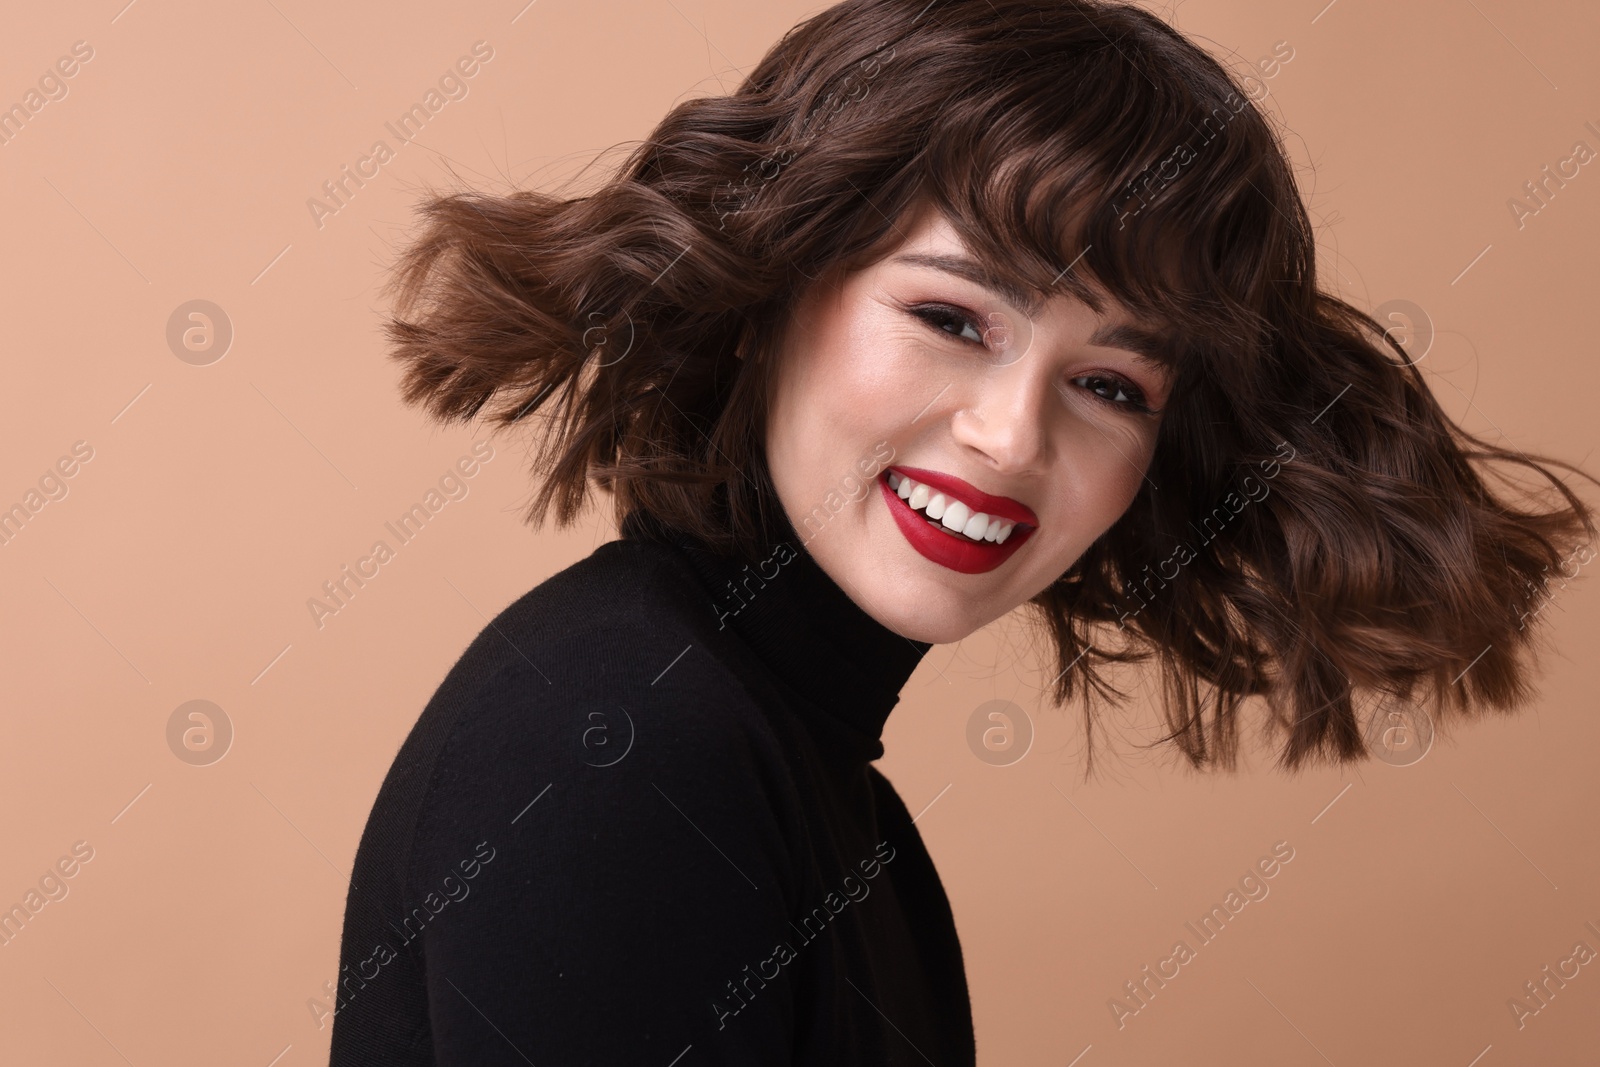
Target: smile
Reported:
[(952, 523)]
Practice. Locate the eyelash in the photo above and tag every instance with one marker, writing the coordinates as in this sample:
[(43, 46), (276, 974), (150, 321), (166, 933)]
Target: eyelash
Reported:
[(932, 314)]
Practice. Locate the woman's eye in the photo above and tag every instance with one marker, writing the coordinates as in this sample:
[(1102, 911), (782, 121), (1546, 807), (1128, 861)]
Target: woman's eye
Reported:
[(1115, 391), (952, 321)]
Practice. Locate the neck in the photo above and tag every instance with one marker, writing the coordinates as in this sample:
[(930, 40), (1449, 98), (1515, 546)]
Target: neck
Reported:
[(800, 625)]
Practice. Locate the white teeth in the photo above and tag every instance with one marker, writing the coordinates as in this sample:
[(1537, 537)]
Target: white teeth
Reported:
[(953, 514)]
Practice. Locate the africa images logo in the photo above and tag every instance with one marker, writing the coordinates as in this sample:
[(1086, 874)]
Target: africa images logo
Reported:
[(454, 890), (854, 890)]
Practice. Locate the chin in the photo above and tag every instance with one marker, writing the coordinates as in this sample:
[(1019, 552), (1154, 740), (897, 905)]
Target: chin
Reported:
[(935, 635), (933, 627)]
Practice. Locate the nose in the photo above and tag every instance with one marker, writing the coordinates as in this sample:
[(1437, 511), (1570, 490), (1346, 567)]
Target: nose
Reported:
[(1003, 421)]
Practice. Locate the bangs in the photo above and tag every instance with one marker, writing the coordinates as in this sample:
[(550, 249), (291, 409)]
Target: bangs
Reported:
[(1151, 196)]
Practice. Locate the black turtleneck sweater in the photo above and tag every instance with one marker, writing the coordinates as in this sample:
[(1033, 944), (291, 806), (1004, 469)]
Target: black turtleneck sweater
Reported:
[(638, 823)]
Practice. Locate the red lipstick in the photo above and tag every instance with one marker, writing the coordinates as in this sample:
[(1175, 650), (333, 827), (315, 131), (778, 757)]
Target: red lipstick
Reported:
[(944, 547), (996, 507)]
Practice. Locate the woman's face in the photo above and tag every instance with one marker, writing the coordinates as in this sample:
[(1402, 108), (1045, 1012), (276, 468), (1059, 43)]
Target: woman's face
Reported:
[(998, 414)]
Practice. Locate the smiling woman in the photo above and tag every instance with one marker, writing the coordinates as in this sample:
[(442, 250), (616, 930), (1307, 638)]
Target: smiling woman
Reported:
[(978, 383), (905, 235)]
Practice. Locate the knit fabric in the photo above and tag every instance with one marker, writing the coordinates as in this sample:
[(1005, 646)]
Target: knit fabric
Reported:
[(638, 823)]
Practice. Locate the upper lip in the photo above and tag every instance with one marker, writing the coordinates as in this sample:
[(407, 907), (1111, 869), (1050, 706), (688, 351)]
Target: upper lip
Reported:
[(996, 507)]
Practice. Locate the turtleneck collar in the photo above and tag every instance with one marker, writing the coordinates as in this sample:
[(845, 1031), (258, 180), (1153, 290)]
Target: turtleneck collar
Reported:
[(804, 628)]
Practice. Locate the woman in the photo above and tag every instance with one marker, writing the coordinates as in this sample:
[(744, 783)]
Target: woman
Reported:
[(951, 308)]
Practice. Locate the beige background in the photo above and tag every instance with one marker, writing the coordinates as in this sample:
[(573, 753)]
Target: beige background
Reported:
[(219, 498)]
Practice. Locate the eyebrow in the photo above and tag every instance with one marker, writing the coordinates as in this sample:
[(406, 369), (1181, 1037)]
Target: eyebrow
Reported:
[(1151, 349), (975, 272)]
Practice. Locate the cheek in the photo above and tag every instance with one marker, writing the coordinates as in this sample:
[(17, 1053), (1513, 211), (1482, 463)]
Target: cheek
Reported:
[(1121, 480), (1105, 467), (855, 377), (821, 403)]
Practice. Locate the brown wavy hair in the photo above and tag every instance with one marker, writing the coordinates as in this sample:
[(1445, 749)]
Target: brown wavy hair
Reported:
[(1078, 147)]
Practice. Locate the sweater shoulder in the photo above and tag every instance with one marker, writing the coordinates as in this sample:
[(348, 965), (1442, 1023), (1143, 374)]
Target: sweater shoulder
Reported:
[(572, 667), (641, 587), (601, 679), (596, 773), (626, 622)]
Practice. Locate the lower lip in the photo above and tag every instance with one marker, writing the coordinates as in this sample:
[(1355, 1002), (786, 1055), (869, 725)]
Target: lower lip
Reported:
[(948, 550)]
